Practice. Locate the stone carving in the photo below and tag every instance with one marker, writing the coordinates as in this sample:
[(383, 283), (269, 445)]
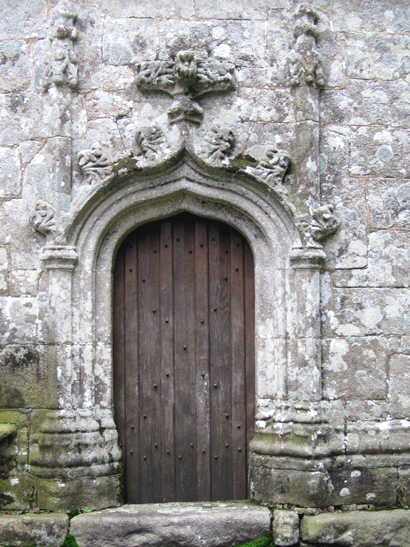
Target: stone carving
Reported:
[(219, 143), (95, 163), (43, 218), (273, 166), (61, 69), (186, 79), (324, 223), (151, 142), (305, 66)]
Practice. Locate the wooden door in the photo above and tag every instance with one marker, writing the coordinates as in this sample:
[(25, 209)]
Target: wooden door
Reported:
[(184, 360)]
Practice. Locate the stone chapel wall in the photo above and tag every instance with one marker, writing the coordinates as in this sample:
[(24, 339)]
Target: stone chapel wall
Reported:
[(315, 104)]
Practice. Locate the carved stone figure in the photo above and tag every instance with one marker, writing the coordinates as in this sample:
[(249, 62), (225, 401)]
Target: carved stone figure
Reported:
[(61, 69), (43, 218), (95, 163), (151, 142), (273, 166), (186, 79), (305, 66), (219, 143), (324, 223)]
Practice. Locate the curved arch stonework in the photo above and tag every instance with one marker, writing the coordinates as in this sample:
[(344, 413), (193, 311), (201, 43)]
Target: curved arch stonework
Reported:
[(78, 300)]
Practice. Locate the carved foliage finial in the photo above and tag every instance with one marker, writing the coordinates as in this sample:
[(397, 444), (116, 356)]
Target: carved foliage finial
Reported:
[(273, 166), (95, 163), (61, 69), (43, 220), (186, 79), (305, 66)]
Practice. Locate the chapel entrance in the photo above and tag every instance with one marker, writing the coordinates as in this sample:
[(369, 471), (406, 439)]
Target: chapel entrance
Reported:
[(184, 373)]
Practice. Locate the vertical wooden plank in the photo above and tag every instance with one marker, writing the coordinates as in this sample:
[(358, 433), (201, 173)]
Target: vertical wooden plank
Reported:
[(118, 352), (149, 357), (185, 373), (220, 359), (250, 340), (239, 417), (166, 442), (202, 361), (131, 370)]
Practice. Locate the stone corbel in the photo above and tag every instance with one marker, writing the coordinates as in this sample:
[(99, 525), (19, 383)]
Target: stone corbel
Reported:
[(43, 220)]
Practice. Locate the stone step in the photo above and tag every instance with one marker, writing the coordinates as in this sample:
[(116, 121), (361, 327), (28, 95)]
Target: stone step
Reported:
[(201, 524)]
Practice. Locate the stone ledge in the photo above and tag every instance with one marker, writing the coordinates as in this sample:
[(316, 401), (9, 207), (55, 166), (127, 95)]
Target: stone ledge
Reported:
[(33, 530), (210, 524), (367, 529)]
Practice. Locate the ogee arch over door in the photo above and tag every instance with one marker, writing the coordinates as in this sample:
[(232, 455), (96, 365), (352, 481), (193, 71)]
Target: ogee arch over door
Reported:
[(184, 373)]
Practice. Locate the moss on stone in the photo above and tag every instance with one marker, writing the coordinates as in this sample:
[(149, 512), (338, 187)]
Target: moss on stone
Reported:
[(266, 541)]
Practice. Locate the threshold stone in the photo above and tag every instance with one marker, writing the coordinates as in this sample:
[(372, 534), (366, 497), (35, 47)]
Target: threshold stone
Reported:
[(201, 524)]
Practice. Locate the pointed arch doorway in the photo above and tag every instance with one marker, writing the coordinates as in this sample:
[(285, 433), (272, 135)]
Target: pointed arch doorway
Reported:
[(184, 373)]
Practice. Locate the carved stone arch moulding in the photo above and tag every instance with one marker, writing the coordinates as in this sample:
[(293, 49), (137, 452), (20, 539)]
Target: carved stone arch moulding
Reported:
[(78, 258)]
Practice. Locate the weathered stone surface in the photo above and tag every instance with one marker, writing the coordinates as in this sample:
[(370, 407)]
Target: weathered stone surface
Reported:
[(274, 483), (18, 320), (388, 263), (386, 60), (363, 311), (285, 528), (26, 20), (351, 484), (354, 368), (15, 70), (367, 529), (380, 152), (182, 525), (399, 386), (358, 15), (10, 172), (389, 204), (236, 41), (33, 530), (364, 102), (128, 41)]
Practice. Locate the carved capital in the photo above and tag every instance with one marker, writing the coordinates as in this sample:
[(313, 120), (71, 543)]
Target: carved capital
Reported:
[(59, 257), (95, 163), (305, 66), (43, 220)]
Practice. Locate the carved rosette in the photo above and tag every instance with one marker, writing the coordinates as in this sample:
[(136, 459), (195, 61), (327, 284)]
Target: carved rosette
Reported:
[(305, 66), (95, 164), (61, 68), (43, 220), (186, 79)]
